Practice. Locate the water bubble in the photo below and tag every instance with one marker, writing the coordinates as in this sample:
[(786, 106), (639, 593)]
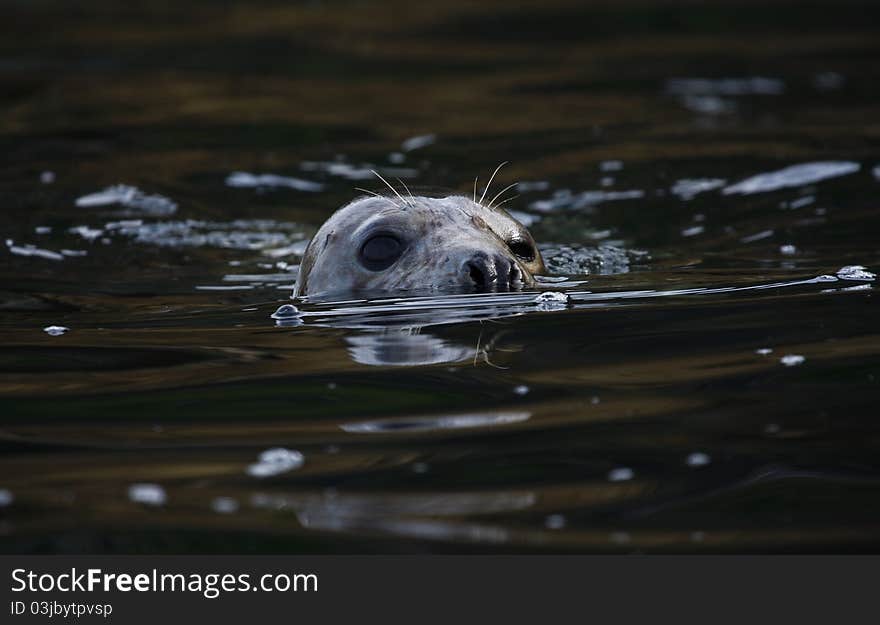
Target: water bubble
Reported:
[(692, 231), (791, 360), (555, 522), (287, 315), (147, 494), (420, 467), (522, 389), (764, 351), (621, 474), (276, 461), (47, 177), (55, 330), (6, 497), (788, 250)]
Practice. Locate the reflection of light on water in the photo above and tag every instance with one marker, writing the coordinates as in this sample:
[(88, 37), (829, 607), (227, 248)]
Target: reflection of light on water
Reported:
[(427, 424), (276, 461), (793, 176), (129, 197), (400, 514), (243, 179), (147, 494)]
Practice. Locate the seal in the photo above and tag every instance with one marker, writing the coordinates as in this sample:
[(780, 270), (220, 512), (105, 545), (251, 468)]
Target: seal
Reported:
[(390, 245)]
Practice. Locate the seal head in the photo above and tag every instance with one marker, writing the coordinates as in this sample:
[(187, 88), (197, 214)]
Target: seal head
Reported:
[(420, 244)]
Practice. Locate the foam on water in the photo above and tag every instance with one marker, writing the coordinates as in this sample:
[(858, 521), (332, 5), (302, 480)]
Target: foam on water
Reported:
[(576, 260)]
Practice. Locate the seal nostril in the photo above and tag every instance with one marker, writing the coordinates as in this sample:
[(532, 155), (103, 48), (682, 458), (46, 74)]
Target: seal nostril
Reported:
[(477, 275)]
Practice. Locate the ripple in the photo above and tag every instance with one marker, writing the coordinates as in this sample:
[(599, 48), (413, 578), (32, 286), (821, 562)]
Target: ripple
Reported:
[(418, 142), (242, 234), (32, 250), (242, 179), (430, 424), (793, 176), (689, 188), (565, 199), (129, 197), (752, 85)]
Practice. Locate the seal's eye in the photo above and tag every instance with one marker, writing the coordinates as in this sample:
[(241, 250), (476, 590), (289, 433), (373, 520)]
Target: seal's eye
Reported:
[(380, 252), (523, 249)]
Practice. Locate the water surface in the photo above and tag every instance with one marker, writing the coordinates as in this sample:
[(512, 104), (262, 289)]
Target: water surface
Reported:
[(703, 180)]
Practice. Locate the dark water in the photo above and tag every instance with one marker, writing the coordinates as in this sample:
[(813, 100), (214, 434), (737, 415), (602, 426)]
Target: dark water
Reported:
[(702, 174)]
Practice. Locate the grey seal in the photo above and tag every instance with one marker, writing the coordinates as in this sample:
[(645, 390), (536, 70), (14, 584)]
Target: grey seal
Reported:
[(416, 244)]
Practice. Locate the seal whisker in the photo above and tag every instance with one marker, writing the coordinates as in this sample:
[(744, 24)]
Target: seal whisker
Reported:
[(488, 184), (407, 189), (367, 191), (500, 193), (479, 340), (378, 175), (475, 188), (513, 197)]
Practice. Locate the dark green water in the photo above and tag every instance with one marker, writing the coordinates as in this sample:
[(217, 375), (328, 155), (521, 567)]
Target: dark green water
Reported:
[(693, 169)]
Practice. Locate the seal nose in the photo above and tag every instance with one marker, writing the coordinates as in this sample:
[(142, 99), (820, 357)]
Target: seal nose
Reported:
[(493, 272)]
